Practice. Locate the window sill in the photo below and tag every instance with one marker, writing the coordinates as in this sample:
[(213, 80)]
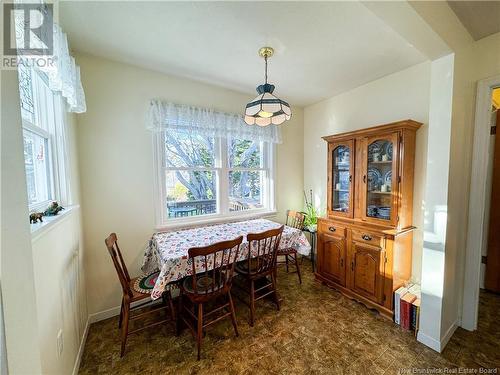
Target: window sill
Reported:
[(50, 222), (200, 221)]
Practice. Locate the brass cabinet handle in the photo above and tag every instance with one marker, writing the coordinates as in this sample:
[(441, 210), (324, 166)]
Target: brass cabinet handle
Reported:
[(350, 178), (341, 262), (352, 266), (366, 237), (364, 178), (332, 229)]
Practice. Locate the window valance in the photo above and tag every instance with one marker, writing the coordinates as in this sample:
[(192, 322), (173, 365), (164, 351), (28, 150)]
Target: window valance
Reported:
[(165, 115), (60, 68), (64, 74)]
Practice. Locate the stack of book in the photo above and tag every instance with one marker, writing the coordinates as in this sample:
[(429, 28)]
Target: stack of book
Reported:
[(407, 306)]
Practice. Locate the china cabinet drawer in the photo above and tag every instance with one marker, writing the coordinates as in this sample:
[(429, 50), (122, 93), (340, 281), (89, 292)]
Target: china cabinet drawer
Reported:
[(332, 228), (368, 238)]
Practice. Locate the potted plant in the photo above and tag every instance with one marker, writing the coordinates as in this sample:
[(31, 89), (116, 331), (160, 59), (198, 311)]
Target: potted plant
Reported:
[(311, 220)]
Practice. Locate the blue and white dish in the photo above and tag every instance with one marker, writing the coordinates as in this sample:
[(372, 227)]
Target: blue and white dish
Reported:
[(374, 179), (376, 147), (388, 149), (388, 178)]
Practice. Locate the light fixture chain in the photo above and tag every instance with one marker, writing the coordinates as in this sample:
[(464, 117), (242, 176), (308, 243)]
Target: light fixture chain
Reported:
[(265, 58)]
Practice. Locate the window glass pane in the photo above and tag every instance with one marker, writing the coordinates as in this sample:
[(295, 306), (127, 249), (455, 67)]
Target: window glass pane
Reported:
[(26, 93), (245, 190), (184, 149), (190, 193), (244, 153), (37, 167)]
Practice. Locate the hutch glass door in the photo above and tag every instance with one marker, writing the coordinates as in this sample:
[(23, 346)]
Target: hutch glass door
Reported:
[(342, 165), (381, 178)]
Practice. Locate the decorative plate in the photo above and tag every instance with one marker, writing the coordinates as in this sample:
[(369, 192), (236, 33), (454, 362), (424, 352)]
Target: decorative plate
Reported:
[(388, 178), (374, 179), (375, 148), (388, 149)]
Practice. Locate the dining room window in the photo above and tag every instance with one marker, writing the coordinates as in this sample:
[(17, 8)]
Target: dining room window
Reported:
[(43, 139), (208, 176), (210, 165)]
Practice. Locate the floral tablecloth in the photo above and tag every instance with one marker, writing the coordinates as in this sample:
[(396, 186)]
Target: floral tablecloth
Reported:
[(168, 251)]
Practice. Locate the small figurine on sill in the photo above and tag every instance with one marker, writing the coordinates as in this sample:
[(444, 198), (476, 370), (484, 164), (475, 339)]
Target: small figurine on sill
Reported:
[(35, 216), (53, 209)]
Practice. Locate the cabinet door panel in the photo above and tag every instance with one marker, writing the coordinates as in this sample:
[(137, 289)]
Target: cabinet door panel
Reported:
[(380, 175), (331, 257), (367, 271), (340, 178)]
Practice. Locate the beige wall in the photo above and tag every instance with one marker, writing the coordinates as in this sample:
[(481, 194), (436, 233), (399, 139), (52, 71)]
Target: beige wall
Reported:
[(42, 278), (60, 277), (473, 62), (116, 162), (18, 288), (395, 97)]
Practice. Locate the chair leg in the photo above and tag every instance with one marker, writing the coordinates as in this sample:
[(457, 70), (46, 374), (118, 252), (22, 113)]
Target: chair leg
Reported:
[(286, 261), (233, 313), (252, 302), (199, 335), (171, 306), (126, 311), (276, 297), (298, 268), (121, 316), (179, 314)]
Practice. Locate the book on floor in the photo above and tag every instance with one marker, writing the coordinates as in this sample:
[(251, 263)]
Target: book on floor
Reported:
[(400, 292), (405, 310), (415, 314)]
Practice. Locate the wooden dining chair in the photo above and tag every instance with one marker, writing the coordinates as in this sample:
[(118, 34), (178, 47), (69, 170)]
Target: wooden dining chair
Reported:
[(130, 295), (213, 268), (259, 266), (295, 220)]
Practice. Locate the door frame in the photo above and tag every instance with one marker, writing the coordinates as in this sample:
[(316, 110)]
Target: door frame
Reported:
[(477, 227)]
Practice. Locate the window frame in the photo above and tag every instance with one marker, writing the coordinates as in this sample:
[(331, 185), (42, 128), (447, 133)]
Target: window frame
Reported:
[(50, 125), (221, 169)]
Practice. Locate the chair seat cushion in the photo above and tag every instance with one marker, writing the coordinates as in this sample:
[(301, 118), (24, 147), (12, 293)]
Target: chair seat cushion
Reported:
[(204, 283), (145, 284), (243, 269), (287, 251)]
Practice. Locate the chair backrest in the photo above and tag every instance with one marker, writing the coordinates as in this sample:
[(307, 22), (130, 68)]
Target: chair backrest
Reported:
[(121, 269), (263, 250), (213, 265), (295, 219)]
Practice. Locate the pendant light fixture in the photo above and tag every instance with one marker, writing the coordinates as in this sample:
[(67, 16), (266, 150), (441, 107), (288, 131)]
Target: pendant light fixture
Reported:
[(267, 109)]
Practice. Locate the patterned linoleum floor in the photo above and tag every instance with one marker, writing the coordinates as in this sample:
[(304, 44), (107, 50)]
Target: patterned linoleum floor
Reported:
[(317, 331)]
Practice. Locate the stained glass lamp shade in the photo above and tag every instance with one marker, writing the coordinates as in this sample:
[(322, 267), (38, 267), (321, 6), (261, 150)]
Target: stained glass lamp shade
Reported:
[(267, 109)]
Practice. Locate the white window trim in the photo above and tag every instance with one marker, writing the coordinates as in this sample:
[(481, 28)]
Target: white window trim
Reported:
[(56, 143), (223, 214)]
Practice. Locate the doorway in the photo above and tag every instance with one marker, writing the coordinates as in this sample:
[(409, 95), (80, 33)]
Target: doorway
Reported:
[(490, 256), (479, 201)]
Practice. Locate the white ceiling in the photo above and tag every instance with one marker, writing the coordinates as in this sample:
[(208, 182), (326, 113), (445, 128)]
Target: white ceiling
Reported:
[(480, 18), (322, 48)]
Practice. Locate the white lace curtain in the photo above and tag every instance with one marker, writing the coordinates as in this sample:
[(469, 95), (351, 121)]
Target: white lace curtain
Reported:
[(164, 116), (62, 72)]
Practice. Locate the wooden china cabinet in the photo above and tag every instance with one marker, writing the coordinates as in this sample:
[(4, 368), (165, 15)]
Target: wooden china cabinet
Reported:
[(365, 242)]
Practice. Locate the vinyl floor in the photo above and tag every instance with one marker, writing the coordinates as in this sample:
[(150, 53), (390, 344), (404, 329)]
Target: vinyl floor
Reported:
[(316, 331)]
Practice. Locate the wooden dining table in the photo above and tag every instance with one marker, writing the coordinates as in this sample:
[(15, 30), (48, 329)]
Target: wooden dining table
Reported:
[(167, 252)]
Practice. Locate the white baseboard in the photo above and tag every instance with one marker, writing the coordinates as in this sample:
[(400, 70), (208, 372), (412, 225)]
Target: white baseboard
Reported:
[(431, 342), (81, 348), (447, 336), (103, 315), (437, 345)]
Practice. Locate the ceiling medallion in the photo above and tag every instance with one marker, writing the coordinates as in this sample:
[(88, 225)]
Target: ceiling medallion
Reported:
[(266, 109)]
